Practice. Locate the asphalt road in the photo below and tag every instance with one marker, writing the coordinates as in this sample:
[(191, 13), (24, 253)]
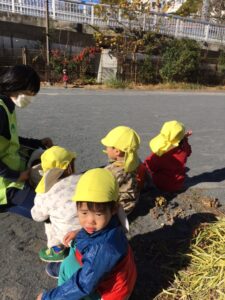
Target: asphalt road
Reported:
[(78, 119)]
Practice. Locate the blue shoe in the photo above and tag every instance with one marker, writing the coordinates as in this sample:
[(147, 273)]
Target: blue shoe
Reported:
[(52, 269)]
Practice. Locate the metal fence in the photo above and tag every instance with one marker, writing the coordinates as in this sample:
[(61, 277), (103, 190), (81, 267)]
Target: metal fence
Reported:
[(88, 14)]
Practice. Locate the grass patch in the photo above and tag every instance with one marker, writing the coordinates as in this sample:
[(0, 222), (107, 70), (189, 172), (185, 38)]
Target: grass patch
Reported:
[(204, 278), (117, 83), (170, 86), (173, 86)]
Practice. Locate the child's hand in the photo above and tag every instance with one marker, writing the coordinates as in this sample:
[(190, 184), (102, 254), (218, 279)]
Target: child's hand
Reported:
[(39, 296), (47, 142), (24, 176), (188, 133), (69, 237)]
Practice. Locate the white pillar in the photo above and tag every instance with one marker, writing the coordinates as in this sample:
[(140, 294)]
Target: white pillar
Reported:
[(119, 15), (206, 32), (177, 28), (53, 9), (144, 22), (13, 6), (92, 15), (20, 3), (107, 67)]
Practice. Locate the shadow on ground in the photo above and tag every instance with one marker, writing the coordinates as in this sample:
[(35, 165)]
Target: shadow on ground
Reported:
[(217, 175), (155, 254), (147, 202), (147, 198)]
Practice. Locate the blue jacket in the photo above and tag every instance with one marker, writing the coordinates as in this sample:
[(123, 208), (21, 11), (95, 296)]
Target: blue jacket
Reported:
[(101, 252)]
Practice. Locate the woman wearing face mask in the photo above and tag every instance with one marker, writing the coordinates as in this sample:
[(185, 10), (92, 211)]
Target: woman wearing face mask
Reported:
[(18, 86)]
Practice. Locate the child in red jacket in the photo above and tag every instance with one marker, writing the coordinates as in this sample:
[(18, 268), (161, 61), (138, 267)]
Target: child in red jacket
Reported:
[(170, 152), (65, 78)]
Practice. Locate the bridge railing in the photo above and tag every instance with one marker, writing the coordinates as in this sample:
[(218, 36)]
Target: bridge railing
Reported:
[(89, 14)]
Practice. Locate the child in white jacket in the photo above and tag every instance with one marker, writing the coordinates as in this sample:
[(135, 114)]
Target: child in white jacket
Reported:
[(53, 203)]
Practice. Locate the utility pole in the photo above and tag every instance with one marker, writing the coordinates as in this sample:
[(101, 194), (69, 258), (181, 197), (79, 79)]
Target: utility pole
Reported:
[(47, 40), (205, 10)]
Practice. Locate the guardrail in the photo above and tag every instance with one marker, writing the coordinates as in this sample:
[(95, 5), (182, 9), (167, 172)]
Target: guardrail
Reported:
[(87, 14)]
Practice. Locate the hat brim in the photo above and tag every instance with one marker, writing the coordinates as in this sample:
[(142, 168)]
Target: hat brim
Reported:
[(106, 142), (48, 180)]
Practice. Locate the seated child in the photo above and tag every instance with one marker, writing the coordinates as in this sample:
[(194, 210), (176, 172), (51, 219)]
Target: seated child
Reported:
[(100, 264), (121, 145), (170, 152), (53, 201)]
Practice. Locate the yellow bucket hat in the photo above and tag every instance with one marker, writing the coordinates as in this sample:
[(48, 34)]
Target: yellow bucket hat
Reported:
[(127, 140), (172, 132), (100, 186), (97, 185), (54, 162)]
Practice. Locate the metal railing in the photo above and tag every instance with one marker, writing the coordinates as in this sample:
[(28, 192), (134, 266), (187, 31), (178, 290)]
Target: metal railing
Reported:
[(89, 14)]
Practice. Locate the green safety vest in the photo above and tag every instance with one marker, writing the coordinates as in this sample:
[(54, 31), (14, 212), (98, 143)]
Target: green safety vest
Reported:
[(9, 155)]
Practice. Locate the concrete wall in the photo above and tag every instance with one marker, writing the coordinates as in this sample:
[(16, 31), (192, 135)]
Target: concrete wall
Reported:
[(26, 31)]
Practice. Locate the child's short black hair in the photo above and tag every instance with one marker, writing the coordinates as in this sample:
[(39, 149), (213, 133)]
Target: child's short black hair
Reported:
[(19, 78), (99, 207)]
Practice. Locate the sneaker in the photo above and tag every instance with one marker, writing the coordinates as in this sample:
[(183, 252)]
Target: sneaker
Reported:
[(50, 255), (52, 269)]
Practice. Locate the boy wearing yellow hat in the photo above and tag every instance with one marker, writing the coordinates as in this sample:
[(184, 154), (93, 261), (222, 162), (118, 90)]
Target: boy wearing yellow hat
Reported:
[(100, 264), (53, 201), (122, 144), (170, 152)]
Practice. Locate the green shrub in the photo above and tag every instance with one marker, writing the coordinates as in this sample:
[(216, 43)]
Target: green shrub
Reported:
[(117, 83), (189, 7), (86, 80), (221, 66), (180, 61), (221, 62), (147, 72)]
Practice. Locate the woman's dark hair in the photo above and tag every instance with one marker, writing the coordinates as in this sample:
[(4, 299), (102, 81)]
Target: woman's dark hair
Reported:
[(99, 207), (19, 78)]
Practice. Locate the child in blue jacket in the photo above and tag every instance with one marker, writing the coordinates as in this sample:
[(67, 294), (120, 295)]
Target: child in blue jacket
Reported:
[(100, 264)]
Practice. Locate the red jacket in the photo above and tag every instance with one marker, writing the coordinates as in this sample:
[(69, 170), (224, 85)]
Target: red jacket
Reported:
[(168, 171), (65, 77), (120, 282)]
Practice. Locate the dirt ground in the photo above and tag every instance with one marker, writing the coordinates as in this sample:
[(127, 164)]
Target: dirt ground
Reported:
[(167, 223)]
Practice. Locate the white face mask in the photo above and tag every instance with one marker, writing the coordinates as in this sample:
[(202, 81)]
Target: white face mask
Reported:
[(22, 100)]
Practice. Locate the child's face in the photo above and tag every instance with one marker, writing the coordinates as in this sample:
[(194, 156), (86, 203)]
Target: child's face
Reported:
[(93, 221), (112, 153)]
